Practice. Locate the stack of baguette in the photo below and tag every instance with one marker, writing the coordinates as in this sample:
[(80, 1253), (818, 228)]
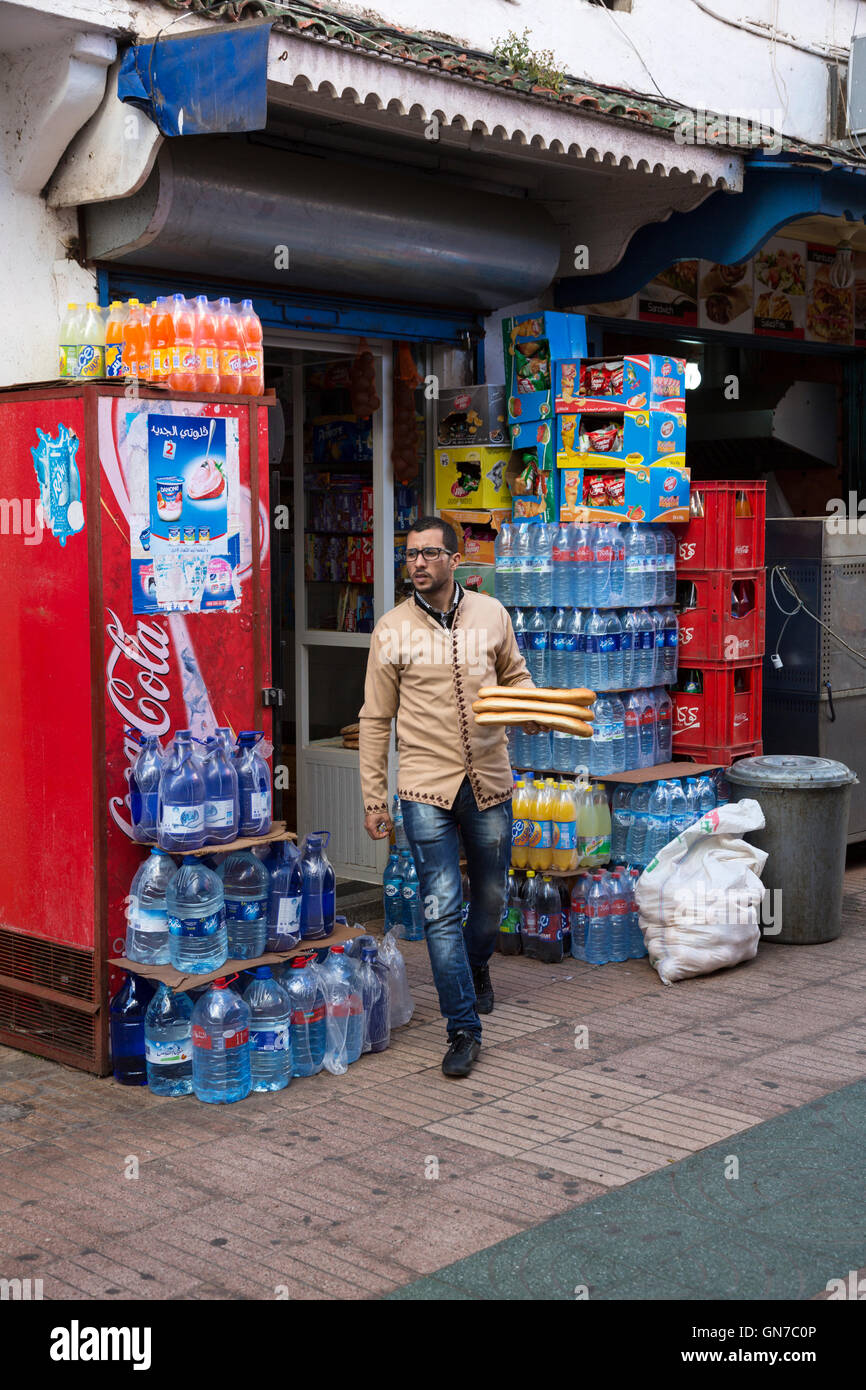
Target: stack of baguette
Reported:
[(564, 710), (350, 735)]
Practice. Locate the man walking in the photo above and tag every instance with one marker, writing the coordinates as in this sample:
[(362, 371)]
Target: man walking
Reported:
[(428, 659)]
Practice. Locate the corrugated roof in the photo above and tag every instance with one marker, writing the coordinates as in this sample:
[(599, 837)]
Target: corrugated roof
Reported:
[(308, 19)]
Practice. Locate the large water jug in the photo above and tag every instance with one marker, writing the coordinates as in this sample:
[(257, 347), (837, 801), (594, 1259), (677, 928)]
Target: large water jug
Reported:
[(346, 969), (284, 901), (181, 799), (147, 939), (168, 1042), (270, 1043), (195, 907), (221, 805), (126, 1013), (319, 887), (221, 1070), (376, 993), (246, 885), (144, 791), (307, 1000), (254, 785)]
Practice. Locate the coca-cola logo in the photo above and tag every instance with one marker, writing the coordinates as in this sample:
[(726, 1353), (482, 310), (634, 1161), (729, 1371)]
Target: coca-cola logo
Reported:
[(686, 635), (687, 550), (740, 719), (143, 704), (687, 717)]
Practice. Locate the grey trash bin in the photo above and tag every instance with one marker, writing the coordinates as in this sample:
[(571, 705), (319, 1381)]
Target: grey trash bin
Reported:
[(805, 803)]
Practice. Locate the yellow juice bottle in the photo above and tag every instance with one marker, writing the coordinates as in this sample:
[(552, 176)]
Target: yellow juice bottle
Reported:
[(545, 812), (521, 829), (565, 848)]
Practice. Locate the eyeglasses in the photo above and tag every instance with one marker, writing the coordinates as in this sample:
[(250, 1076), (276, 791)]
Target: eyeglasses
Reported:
[(430, 552)]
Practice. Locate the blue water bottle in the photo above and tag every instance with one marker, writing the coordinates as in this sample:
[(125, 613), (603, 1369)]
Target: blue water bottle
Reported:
[(126, 1013), (221, 1046), (168, 1042), (144, 791), (392, 886), (181, 799), (221, 805), (284, 901), (319, 887), (195, 909), (270, 1042), (254, 785)]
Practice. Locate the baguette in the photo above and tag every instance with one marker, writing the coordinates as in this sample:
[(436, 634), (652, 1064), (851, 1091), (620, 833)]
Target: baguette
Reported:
[(562, 722), (521, 706), (528, 692)]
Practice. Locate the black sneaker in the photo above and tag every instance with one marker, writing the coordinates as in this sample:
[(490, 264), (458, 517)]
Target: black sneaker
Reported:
[(462, 1054), (483, 989)]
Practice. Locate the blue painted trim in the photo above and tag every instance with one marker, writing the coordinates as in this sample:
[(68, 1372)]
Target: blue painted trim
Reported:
[(303, 312), (102, 281), (727, 227), (202, 83)]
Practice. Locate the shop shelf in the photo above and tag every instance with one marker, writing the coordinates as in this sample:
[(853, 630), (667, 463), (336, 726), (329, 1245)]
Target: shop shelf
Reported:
[(721, 540), (709, 631), (725, 713)]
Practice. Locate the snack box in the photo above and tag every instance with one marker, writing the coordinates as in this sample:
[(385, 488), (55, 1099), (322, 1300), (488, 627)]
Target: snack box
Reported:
[(472, 477), (531, 345), (472, 415), (535, 491), (635, 382), (625, 492), (621, 436), (476, 532), (477, 579), (538, 436)]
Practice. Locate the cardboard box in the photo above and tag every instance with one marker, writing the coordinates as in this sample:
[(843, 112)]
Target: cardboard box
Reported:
[(531, 345), (659, 493), (477, 579), (647, 436), (472, 415), (472, 477), (645, 381), (649, 463), (539, 496), (476, 532), (537, 436)]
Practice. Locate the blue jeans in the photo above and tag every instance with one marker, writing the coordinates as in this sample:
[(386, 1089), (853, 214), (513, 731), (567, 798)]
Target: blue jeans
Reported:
[(433, 836)]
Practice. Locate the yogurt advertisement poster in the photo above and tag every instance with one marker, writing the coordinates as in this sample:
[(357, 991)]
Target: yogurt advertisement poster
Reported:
[(187, 538)]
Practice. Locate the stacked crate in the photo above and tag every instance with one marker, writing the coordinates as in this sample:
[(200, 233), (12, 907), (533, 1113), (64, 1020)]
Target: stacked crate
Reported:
[(722, 619)]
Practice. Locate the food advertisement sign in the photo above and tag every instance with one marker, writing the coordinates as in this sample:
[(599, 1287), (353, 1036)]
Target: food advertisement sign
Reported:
[(185, 539), (829, 295), (780, 289), (671, 297), (725, 297)]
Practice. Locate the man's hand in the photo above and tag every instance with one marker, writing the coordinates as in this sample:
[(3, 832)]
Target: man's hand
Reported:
[(528, 728), (378, 824)]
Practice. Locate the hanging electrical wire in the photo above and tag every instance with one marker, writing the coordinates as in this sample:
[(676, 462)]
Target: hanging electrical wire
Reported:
[(788, 584)]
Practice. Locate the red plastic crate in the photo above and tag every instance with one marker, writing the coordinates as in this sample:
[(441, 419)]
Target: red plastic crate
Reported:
[(722, 715), (709, 632), (721, 540), (724, 756)]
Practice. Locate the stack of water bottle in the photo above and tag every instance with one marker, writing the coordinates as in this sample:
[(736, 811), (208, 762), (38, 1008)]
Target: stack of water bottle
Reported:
[(592, 606), (648, 816), (198, 915), (603, 917), (181, 800), (404, 911), (317, 1011)]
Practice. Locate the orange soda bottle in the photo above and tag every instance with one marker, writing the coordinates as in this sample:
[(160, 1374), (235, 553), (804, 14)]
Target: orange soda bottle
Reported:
[(135, 346), (114, 339), (253, 375), (182, 376), (207, 369), (741, 506), (231, 348), (161, 340)]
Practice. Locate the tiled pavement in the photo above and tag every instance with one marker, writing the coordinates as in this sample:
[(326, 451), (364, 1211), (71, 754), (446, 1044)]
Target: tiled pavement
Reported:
[(355, 1186)]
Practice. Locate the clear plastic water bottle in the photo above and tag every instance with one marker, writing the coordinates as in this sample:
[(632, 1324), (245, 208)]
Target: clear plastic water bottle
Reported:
[(637, 945), (502, 556), (168, 1042), (620, 824), (631, 707), (126, 1013), (610, 651), (647, 732), (412, 920), (659, 831), (577, 653), (559, 662), (270, 1040), (195, 907), (652, 568), (221, 1071), (690, 788), (619, 914), (221, 805), (144, 791), (584, 559), (596, 665), (522, 588), (543, 564), (307, 999), (706, 798), (603, 553), (668, 565), (609, 736), (246, 885), (346, 969), (181, 798), (147, 924), (392, 892), (598, 904), (680, 816), (664, 725), (658, 623), (521, 743), (518, 623), (634, 550), (561, 592), (538, 646), (541, 751), (577, 915), (626, 642), (565, 751), (643, 649), (671, 637), (617, 565), (254, 785), (284, 898), (637, 831), (319, 889), (400, 840), (375, 991)]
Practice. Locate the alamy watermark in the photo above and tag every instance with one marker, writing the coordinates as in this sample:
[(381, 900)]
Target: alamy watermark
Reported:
[(22, 516), (420, 647)]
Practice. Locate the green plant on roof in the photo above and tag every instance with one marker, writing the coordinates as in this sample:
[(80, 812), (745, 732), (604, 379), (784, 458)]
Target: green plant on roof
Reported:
[(514, 52)]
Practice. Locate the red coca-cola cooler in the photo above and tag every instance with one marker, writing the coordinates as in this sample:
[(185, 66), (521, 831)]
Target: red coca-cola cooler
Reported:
[(135, 596)]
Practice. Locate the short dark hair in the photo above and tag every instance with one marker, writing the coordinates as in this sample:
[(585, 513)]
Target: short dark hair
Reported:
[(436, 523)]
